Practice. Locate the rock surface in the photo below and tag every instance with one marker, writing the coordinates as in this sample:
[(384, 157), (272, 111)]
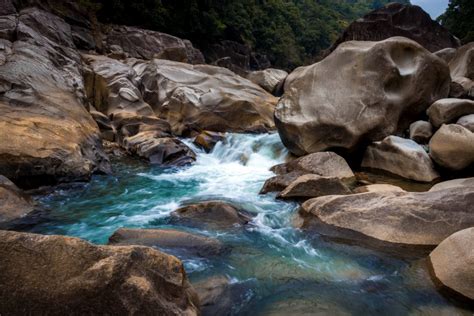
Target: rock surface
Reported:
[(402, 157), (14, 203), (378, 188), (463, 183), (452, 263), (396, 217), (280, 182), (58, 275), (462, 68), (397, 19), (270, 79), (176, 242), (467, 122), (396, 80), (210, 214), (447, 111), (452, 147), (421, 131), (42, 101), (311, 185), (207, 140)]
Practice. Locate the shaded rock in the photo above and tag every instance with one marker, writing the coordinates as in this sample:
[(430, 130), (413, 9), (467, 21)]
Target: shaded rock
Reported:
[(452, 263), (280, 182), (270, 79), (378, 188), (146, 44), (467, 122), (325, 164), (396, 217), (161, 151), (421, 132), (396, 81), (59, 275), (107, 130), (462, 68), (402, 157), (452, 147), (210, 214), (42, 102), (457, 91), (446, 54), (467, 182), (311, 185), (447, 111), (14, 203), (207, 140), (174, 241), (396, 19), (203, 97)]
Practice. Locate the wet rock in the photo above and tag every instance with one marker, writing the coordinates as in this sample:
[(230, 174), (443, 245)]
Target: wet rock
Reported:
[(59, 275), (280, 182), (211, 214), (397, 19), (396, 217), (207, 140), (402, 157), (421, 132), (176, 242), (43, 102), (452, 147), (463, 183), (145, 44), (158, 150), (389, 90), (447, 111), (452, 263), (14, 204), (467, 122), (270, 79), (378, 188), (311, 185), (461, 68), (325, 164)]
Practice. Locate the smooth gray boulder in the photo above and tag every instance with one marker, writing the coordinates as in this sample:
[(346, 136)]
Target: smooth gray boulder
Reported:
[(452, 263), (462, 68), (270, 79), (466, 182), (452, 147), (446, 54), (421, 131), (467, 122), (402, 157), (396, 217), (396, 81), (447, 111), (311, 185)]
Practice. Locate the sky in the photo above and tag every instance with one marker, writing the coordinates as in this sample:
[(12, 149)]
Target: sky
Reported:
[(434, 7)]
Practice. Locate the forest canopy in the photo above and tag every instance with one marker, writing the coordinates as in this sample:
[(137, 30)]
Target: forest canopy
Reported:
[(459, 19)]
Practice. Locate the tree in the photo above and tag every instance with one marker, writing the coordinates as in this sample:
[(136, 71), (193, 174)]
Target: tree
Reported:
[(459, 19)]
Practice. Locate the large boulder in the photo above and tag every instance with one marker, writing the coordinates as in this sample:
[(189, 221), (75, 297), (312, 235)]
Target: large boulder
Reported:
[(14, 204), (421, 131), (57, 275), (396, 217), (395, 81), (467, 122), (452, 147), (466, 182), (145, 44), (211, 214), (311, 185), (453, 261), (447, 111), (402, 157), (176, 242), (396, 19), (207, 140), (462, 69), (270, 79), (46, 133)]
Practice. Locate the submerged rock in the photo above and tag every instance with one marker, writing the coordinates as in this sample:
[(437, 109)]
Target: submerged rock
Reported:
[(270, 79), (453, 261), (59, 275), (311, 185), (174, 241), (396, 19), (14, 204), (396, 217), (402, 157), (447, 111), (452, 147), (396, 81), (210, 214), (421, 132)]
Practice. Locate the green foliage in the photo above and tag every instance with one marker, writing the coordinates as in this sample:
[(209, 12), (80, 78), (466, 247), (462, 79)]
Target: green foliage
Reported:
[(289, 32), (459, 19)]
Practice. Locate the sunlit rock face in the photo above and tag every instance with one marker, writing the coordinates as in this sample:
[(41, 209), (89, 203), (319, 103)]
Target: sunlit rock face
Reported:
[(363, 91), (46, 133)]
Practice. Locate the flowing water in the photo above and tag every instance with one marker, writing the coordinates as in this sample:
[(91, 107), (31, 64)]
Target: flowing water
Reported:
[(275, 269)]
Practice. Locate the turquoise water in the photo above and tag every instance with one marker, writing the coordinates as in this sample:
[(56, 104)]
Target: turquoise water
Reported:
[(278, 270)]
